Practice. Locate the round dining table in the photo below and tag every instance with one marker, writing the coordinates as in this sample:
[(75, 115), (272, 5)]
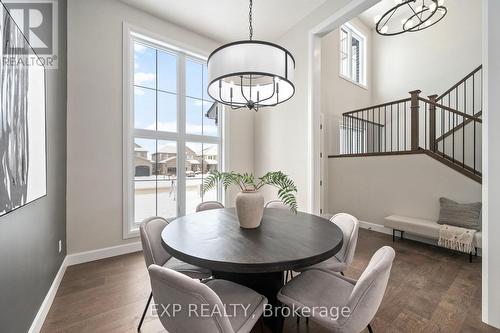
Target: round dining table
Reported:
[(256, 258)]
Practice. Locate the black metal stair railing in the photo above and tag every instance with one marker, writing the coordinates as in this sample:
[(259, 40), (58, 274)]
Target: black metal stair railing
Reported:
[(446, 127)]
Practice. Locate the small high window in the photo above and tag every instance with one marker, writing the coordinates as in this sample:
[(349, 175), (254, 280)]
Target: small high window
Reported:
[(352, 54)]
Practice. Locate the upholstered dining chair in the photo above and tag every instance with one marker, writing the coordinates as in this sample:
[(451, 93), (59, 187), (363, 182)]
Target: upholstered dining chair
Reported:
[(154, 254), (207, 205), (343, 259), (276, 204), (316, 287), (192, 299)]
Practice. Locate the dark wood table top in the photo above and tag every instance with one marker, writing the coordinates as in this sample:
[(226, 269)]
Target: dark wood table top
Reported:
[(214, 239)]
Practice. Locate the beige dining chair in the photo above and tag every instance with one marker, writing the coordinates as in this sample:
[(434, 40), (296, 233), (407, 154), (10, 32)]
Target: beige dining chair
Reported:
[(207, 205), (191, 297), (343, 259), (276, 204), (322, 288), (154, 254)]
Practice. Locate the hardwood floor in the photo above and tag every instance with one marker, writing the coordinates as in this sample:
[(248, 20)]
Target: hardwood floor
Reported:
[(430, 290)]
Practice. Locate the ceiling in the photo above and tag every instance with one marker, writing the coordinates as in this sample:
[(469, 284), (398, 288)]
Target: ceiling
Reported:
[(380, 8), (227, 20)]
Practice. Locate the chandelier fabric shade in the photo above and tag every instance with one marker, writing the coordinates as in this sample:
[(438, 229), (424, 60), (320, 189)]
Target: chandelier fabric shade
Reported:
[(251, 74)]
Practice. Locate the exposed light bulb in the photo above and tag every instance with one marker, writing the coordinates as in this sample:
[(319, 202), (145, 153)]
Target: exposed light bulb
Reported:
[(377, 18), (440, 2), (277, 79), (384, 29), (432, 6), (231, 84)]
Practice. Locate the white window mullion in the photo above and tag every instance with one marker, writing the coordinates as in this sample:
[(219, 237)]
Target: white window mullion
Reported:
[(181, 143)]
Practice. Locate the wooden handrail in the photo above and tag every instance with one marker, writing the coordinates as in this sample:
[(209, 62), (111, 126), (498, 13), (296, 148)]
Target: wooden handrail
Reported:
[(378, 106), (447, 108), (364, 120), (460, 82)]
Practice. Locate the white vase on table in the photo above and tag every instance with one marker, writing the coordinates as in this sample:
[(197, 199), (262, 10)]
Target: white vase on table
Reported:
[(249, 208)]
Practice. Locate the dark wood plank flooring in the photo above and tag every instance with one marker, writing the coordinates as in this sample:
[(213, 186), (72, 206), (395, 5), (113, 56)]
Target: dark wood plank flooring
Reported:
[(430, 290)]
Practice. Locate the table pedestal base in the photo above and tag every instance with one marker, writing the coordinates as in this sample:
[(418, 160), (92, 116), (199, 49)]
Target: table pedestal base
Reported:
[(267, 284)]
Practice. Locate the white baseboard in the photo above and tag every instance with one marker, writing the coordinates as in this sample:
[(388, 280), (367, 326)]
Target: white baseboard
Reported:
[(37, 323), (75, 259), (107, 252), (388, 231)]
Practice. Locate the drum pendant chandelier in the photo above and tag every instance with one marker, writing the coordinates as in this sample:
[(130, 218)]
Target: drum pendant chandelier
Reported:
[(410, 16), (251, 73)]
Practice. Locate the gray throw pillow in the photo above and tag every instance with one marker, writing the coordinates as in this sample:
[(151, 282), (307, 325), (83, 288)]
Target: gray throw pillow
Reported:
[(460, 215)]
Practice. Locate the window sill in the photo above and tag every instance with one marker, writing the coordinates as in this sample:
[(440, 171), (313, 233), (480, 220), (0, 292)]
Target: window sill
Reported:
[(363, 86)]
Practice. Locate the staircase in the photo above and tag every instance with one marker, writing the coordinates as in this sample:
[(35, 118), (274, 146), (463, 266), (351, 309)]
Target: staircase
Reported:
[(447, 127)]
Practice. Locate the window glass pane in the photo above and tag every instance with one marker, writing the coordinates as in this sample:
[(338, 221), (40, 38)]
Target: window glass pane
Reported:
[(194, 175), (144, 200), (194, 79), (355, 61), (144, 66), (144, 179), (167, 72), (144, 108), (194, 116), (201, 158), (210, 158), (211, 118), (167, 112), (166, 168), (205, 84)]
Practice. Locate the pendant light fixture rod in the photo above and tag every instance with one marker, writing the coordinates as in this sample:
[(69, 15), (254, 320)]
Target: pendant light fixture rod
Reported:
[(250, 25)]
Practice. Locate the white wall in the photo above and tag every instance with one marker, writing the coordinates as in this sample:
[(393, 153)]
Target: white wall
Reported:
[(94, 169), (431, 60), (372, 188), (281, 133), (353, 96), (491, 165)]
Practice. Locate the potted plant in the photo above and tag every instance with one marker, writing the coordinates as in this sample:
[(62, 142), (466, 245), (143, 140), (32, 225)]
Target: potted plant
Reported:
[(250, 202)]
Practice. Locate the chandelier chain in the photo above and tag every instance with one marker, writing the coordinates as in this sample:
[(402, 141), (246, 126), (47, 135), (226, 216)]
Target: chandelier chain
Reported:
[(250, 27)]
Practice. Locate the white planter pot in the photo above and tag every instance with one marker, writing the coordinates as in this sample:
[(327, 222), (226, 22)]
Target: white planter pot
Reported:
[(249, 208)]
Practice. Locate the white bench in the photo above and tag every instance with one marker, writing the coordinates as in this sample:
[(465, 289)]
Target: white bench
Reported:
[(420, 227)]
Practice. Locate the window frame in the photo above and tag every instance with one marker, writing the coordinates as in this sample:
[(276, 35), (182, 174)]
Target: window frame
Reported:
[(353, 32), (183, 52)]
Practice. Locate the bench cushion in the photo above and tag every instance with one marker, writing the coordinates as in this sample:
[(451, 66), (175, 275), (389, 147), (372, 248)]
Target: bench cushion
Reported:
[(420, 227)]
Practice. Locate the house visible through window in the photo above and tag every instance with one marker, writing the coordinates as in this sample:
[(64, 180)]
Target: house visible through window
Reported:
[(175, 133), (352, 54)]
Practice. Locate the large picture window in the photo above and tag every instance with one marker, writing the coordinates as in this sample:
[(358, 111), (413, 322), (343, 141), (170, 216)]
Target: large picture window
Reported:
[(172, 133)]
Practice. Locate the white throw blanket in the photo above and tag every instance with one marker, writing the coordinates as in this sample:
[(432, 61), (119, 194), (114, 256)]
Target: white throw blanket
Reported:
[(456, 238)]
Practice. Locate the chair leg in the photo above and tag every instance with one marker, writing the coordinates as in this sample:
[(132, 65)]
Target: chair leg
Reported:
[(370, 328), (145, 311), (307, 320), (298, 319), (470, 257), (475, 251)]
